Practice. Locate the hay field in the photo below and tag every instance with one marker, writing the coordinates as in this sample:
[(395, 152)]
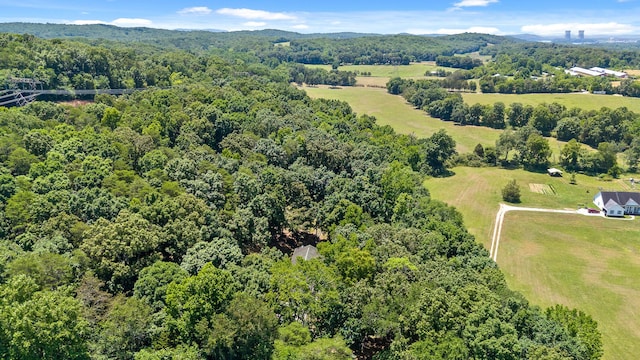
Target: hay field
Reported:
[(393, 110), (579, 100), (389, 71)]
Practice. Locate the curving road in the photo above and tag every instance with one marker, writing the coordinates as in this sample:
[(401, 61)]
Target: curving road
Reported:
[(497, 227)]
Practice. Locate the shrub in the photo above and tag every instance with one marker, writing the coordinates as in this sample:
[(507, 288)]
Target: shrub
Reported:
[(511, 192)]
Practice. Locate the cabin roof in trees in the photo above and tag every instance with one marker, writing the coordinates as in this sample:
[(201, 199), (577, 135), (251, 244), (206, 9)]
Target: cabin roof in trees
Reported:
[(307, 252)]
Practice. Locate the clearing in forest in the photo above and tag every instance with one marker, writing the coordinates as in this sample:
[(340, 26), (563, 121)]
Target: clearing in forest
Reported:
[(590, 263)]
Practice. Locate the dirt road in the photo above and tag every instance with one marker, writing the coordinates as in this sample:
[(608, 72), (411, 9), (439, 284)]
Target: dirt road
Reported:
[(497, 228)]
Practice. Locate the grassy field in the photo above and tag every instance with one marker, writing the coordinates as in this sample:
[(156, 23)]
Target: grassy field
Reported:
[(582, 262), (555, 258), (476, 193), (381, 74), (584, 101), (389, 71), (393, 110)]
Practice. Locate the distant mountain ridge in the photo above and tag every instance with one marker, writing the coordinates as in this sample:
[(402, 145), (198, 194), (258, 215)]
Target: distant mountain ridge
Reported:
[(112, 32)]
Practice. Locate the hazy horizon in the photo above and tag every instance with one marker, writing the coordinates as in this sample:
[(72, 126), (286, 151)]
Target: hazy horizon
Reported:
[(499, 17)]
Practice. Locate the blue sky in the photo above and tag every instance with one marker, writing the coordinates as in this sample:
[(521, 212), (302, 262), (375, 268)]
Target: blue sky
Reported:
[(541, 17)]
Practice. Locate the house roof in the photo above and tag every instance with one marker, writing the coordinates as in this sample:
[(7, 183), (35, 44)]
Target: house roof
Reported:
[(307, 252), (620, 197), (611, 204)]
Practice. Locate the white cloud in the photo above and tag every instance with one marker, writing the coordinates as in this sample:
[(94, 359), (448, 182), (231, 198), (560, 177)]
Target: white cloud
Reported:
[(610, 28), (255, 23), (87, 22), (255, 14), (131, 22), (450, 31), (470, 3), (300, 27), (122, 22), (196, 10)]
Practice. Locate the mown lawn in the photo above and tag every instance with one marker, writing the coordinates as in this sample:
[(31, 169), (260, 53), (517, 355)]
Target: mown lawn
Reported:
[(583, 262), (477, 193), (592, 264), (583, 101)]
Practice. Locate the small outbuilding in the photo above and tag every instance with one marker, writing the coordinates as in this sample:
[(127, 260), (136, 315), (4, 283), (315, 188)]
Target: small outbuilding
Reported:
[(307, 252), (618, 203), (554, 172)]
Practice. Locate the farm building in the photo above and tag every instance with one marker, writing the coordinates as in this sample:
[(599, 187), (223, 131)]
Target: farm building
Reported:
[(607, 72), (618, 203), (578, 71), (595, 71)]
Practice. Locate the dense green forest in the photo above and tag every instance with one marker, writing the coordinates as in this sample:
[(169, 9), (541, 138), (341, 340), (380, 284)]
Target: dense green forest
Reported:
[(275, 46), (160, 225)]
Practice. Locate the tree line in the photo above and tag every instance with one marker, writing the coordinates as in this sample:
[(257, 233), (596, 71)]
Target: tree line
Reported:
[(614, 130)]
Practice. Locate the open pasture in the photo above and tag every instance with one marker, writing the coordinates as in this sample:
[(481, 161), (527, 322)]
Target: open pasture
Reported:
[(393, 110), (582, 262), (579, 100), (390, 71)]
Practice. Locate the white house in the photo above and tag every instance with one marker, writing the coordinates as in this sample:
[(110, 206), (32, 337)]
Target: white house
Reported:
[(618, 203)]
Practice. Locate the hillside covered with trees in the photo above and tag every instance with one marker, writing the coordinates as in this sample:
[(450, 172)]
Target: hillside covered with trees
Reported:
[(160, 225)]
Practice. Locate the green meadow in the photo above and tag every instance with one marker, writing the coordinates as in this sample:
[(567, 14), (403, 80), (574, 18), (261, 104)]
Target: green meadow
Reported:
[(390, 71), (476, 193), (583, 262), (592, 264), (393, 110), (579, 100)]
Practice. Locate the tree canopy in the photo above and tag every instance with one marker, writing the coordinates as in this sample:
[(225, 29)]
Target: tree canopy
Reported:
[(160, 224)]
